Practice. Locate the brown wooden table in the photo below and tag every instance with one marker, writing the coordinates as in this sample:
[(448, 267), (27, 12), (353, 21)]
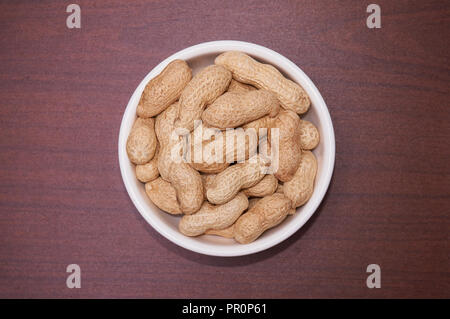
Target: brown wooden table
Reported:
[(63, 93)]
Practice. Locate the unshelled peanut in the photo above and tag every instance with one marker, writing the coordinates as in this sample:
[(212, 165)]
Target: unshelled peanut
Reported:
[(265, 187), (309, 135), (229, 182), (289, 151), (234, 109), (163, 195), (203, 89), (164, 89), (289, 147), (213, 217), (141, 143), (186, 180), (149, 171), (264, 76), (267, 213), (164, 127), (300, 188), (279, 190)]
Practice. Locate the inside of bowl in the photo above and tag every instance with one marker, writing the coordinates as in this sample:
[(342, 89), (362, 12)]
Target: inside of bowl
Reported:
[(197, 63)]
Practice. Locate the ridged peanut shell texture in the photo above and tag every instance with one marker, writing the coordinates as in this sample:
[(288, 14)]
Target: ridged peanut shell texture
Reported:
[(300, 188), (163, 195), (226, 232), (267, 213), (188, 185), (264, 76), (141, 143), (207, 180), (164, 89), (238, 87), (186, 180), (279, 188), (149, 171), (228, 183), (266, 186), (202, 155), (203, 89), (289, 149), (232, 145), (165, 124), (309, 135), (213, 217), (234, 109), (252, 202)]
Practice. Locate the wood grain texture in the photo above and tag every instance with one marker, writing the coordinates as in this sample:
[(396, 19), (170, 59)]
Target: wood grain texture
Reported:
[(62, 200)]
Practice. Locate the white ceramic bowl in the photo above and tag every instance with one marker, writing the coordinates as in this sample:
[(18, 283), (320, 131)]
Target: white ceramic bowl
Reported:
[(199, 56)]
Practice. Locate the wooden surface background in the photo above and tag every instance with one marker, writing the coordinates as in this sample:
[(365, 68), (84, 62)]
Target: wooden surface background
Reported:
[(62, 200)]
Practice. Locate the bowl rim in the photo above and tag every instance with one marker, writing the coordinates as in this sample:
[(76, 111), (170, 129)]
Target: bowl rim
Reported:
[(257, 51)]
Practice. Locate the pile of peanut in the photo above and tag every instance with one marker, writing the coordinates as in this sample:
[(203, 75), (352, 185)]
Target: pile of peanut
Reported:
[(234, 200)]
